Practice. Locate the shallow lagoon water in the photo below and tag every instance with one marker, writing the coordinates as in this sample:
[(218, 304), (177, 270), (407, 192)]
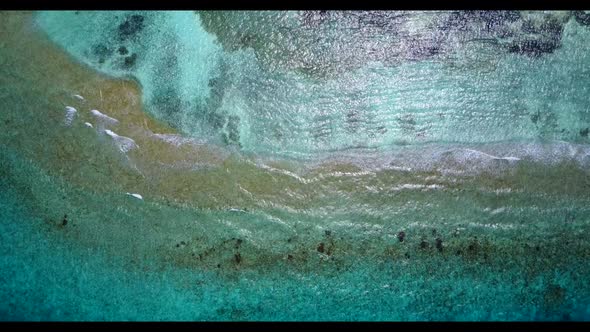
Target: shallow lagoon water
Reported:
[(279, 158)]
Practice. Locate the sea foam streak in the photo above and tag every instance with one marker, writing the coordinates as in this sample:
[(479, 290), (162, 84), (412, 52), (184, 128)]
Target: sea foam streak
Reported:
[(124, 143), (70, 114)]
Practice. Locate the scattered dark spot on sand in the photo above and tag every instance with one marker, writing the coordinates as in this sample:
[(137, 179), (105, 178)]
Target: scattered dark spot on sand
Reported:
[(321, 247), (123, 50), (537, 248), (459, 252), (289, 257), (329, 251), (183, 243), (439, 244), (177, 245), (238, 258), (473, 247), (289, 240), (401, 235), (65, 220), (434, 232), (328, 233), (424, 244), (218, 265), (407, 255), (584, 132)]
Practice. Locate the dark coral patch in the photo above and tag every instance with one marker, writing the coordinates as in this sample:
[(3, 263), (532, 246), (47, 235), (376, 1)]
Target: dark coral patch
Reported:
[(130, 61), (533, 47), (582, 18), (132, 25), (123, 50)]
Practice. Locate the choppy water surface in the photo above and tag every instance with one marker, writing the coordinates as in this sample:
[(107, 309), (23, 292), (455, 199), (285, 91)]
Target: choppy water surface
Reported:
[(294, 165)]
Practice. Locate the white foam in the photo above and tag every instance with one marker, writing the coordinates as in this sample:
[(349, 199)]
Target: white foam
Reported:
[(400, 168), (498, 210), (138, 196), (104, 118), (452, 159), (124, 143), (70, 114), (79, 97), (285, 172), (411, 186), (176, 140), (490, 156)]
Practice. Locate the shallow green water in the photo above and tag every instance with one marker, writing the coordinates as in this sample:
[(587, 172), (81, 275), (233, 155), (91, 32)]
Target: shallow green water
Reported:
[(327, 166)]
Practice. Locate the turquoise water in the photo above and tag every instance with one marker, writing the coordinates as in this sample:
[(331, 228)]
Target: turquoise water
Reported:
[(298, 89), (294, 166)]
